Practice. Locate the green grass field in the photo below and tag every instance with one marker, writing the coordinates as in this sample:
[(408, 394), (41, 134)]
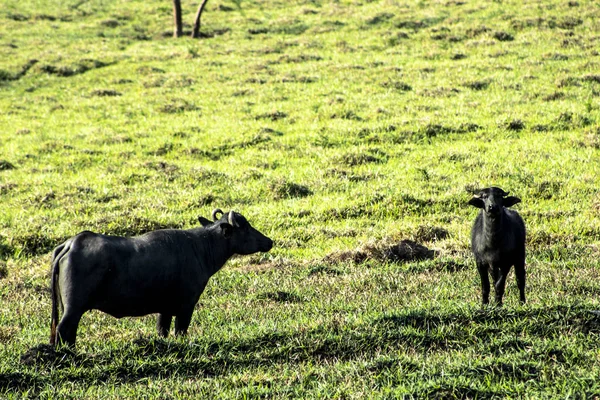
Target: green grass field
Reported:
[(338, 129)]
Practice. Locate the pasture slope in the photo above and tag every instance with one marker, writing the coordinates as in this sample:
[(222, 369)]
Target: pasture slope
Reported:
[(337, 128)]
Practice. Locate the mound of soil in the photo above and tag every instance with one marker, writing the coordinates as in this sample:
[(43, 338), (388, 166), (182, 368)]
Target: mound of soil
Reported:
[(407, 250), (403, 251), (43, 354)]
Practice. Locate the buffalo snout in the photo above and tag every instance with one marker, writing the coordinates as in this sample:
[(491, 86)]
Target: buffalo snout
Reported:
[(264, 243)]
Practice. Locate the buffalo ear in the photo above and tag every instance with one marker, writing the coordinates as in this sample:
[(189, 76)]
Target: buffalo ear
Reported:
[(510, 201), (226, 230), (476, 202), (204, 222)]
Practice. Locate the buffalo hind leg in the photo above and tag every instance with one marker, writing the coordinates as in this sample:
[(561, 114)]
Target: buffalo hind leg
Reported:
[(520, 274), (163, 324), (67, 328), (485, 282)]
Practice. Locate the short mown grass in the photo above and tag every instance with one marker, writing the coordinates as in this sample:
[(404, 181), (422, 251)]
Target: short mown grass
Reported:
[(339, 129)]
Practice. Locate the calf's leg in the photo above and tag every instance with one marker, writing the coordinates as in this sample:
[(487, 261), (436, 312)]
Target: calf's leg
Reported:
[(485, 282), (500, 283), (163, 324)]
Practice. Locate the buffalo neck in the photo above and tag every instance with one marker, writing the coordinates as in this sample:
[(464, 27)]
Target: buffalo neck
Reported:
[(212, 250), (492, 227)]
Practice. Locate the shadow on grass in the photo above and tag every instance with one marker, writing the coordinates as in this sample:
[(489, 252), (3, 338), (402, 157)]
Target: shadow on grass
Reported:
[(420, 331)]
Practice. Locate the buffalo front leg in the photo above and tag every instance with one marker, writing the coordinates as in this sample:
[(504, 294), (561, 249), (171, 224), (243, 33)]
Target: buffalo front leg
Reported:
[(520, 274), (485, 282), (500, 284), (163, 324), (182, 321)]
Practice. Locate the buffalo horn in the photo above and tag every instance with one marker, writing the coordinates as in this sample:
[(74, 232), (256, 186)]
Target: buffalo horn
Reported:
[(215, 212), (231, 219)]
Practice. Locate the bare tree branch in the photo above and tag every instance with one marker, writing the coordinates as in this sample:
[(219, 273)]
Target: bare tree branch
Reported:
[(196, 29), (178, 31)]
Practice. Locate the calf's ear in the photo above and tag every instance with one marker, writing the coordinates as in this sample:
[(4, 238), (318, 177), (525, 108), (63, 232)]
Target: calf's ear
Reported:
[(510, 201), (476, 202), (226, 230), (203, 221)]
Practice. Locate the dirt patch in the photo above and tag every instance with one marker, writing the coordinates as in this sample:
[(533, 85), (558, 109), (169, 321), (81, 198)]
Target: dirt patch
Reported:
[(379, 18), (360, 158), (283, 189), (5, 165), (146, 69), (162, 166), (298, 79), (346, 114), (45, 354), (554, 96), (556, 57), (322, 269), (273, 116), (396, 39), (458, 56), (397, 85), (76, 68), (110, 23), (477, 85), (407, 250), (569, 22), (105, 93), (592, 78), (433, 130), (216, 152), (403, 251), (347, 175), (17, 17), (177, 105), (439, 92), (417, 25), (503, 36), (474, 32), (13, 76), (280, 297), (514, 125), (258, 31), (299, 58)]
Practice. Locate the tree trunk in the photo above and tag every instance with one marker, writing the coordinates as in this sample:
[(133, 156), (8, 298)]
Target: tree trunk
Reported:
[(196, 29), (178, 31)]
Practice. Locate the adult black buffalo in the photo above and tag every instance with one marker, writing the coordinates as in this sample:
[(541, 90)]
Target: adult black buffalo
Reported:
[(163, 271)]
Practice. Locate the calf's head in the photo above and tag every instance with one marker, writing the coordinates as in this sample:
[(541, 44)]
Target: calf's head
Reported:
[(243, 238), (492, 199)]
